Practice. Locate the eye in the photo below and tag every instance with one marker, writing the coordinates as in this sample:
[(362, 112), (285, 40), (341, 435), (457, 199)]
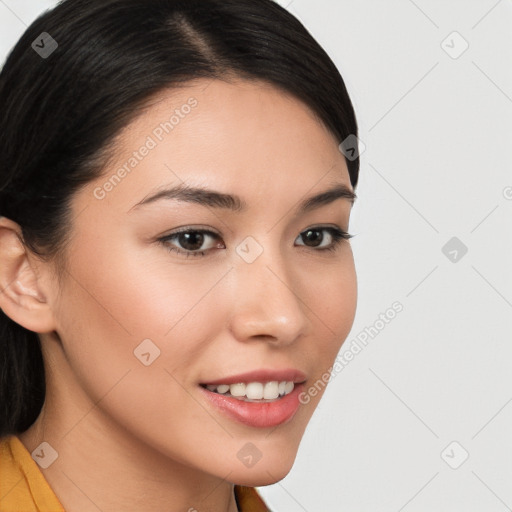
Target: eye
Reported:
[(191, 241), (315, 238)]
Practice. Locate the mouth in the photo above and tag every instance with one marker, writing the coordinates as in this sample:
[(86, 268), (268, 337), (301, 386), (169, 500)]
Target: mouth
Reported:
[(259, 392), (258, 399)]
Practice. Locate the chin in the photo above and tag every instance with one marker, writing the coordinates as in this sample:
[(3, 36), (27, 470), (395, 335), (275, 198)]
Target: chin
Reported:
[(266, 471), (254, 477)]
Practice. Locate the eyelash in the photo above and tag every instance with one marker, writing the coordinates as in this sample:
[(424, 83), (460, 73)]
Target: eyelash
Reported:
[(337, 234)]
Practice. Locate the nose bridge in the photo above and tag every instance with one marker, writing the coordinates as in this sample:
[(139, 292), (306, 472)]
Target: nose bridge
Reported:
[(267, 303)]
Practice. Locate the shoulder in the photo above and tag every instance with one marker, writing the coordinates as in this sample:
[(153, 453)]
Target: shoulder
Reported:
[(22, 485)]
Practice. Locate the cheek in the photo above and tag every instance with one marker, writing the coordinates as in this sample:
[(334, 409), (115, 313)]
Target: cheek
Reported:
[(331, 295), (125, 307), (114, 306), (332, 306), (135, 291)]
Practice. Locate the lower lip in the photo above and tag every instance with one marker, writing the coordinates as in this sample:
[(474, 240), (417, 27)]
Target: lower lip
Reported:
[(258, 414)]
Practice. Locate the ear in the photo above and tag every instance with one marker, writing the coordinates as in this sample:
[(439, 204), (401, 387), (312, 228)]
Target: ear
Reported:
[(22, 297)]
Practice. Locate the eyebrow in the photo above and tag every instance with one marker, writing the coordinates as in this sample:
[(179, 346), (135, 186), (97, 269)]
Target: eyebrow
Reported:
[(213, 199)]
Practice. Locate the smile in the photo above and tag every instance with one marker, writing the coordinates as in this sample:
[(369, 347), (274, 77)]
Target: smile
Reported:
[(259, 399), (254, 391)]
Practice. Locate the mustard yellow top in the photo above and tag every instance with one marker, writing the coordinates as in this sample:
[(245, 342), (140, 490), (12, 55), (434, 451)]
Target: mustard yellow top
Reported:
[(23, 487)]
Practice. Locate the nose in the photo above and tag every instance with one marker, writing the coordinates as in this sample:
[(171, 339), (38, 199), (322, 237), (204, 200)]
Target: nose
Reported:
[(266, 302)]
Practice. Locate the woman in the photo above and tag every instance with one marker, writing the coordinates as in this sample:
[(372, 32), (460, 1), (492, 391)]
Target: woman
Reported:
[(140, 370)]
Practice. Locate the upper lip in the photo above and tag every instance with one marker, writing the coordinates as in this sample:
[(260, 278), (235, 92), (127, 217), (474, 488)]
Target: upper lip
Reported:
[(263, 375)]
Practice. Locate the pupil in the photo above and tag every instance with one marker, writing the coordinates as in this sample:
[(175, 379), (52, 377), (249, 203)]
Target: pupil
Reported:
[(313, 238), (191, 241)]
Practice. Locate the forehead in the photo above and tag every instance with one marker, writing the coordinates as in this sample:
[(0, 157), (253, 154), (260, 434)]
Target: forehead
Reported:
[(245, 137)]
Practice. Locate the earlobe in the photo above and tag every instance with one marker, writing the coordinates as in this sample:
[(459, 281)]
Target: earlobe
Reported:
[(21, 297)]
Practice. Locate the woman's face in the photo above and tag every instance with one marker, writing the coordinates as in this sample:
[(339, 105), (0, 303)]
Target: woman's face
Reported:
[(245, 296)]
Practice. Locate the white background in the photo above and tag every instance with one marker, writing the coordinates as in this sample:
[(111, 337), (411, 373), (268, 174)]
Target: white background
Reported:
[(437, 165)]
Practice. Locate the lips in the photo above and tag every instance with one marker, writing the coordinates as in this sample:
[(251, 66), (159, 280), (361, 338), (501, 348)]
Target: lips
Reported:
[(287, 375), (261, 398)]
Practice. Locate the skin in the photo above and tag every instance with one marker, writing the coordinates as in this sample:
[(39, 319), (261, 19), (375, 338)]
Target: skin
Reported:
[(135, 437)]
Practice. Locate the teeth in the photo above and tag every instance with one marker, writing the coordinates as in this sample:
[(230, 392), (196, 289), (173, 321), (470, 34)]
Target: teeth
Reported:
[(254, 390), (271, 390), (223, 388), (237, 389)]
